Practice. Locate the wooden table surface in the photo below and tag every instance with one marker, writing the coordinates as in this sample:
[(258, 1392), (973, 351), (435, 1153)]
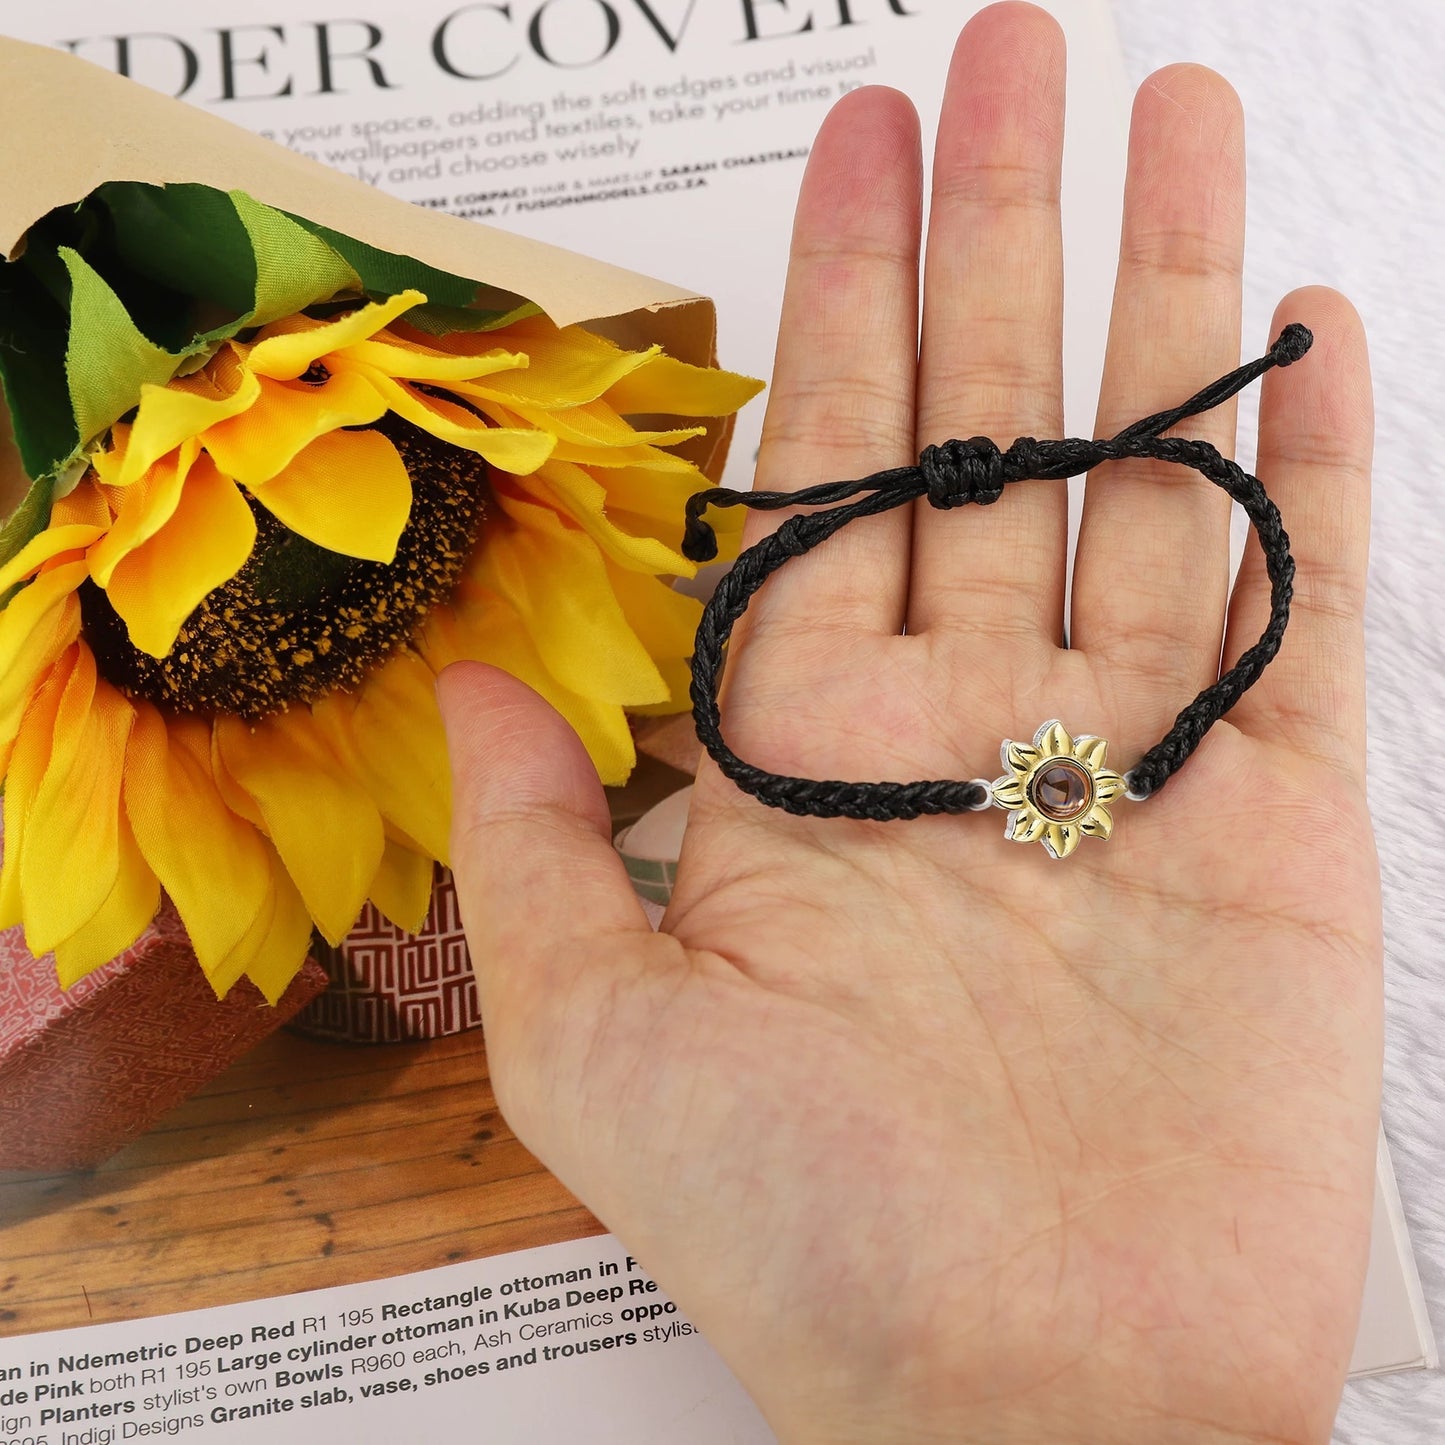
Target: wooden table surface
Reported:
[(307, 1164)]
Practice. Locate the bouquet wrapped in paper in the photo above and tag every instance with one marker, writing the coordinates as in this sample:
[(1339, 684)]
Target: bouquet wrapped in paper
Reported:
[(287, 447)]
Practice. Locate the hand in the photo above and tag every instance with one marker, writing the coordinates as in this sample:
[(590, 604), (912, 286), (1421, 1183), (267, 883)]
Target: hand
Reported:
[(935, 1138)]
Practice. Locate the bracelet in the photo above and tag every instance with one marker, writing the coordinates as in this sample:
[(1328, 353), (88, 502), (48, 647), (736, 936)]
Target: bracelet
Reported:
[(1056, 789)]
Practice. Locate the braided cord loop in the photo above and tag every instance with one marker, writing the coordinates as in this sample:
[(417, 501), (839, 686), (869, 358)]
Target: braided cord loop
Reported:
[(954, 474)]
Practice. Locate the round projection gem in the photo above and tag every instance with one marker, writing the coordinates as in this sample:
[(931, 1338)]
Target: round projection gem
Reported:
[(1062, 791)]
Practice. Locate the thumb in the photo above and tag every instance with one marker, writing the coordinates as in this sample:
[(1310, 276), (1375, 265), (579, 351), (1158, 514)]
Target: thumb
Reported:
[(537, 877)]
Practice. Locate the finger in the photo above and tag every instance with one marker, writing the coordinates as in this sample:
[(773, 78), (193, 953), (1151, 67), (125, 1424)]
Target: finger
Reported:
[(842, 398), (1315, 438), (1152, 572), (991, 361), (539, 882)]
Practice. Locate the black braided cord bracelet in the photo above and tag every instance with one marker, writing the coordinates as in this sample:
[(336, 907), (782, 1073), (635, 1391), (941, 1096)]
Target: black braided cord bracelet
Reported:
[(1056, 789)]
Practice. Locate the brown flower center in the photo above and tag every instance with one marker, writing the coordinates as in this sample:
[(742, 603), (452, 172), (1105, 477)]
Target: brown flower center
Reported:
[(298, 621), (1062, 791)]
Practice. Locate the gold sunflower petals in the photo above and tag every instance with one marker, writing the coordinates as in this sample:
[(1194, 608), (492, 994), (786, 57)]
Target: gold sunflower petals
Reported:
[(283, 947), (73, 829), (1053, 740), (144, 510), (204, 544), (667, 386), (54, 542), (348, 492), (287, 418), (41, 621), (172, 799), (1108, 786), (410, 362), (324, 826), (402, 887), (168, 416), (1009, 791), (1099, 823), (512, 449), (25, 773), (286, 349), (1028, 826), (1062, 838), (577, 587), (120, 919), (1090, 751), (1019, 756), (391, 735)]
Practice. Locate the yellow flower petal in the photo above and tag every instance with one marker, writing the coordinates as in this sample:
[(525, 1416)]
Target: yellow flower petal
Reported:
[(287, 348), (23, 777), (170, 415), (576, 494), (71, 856), (1063, 838), (1029, 826), (204, 544), (51, 544), (145, 507), (555, 579), (668, 387), (172, 800), (282, 950), (402, 887), (1098, 823), (287, 417), (347, 492), (84, 506), (326, 830), (1055, 742), (594, 425), (512, 449), (395, 357), (276, 944), (567, 367), (1090, 751), (487, 628), (647, 458), (42, 620), (120, 919), (665, 623), (390, 732)]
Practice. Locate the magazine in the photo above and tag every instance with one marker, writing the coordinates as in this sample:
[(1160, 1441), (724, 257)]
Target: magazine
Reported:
[(315, 1245)]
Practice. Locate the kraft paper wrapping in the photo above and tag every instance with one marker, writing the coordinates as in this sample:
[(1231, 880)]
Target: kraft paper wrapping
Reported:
[(71, 126)]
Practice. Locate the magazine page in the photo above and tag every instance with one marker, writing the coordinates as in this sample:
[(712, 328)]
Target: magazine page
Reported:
[(314, 1242), (666, 136)]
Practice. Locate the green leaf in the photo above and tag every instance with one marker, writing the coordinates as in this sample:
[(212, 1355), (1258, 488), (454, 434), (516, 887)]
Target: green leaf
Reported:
[(293, 266), (27, 521), (384, 273), (187, 238), (107, 357), (32, 370)]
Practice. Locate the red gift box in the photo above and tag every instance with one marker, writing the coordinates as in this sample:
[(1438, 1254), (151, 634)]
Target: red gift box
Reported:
[(388, 986), (84, 1071)]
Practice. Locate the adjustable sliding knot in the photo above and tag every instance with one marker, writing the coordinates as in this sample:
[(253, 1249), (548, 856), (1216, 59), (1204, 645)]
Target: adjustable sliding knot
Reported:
[(956, 473), (1051, 778)]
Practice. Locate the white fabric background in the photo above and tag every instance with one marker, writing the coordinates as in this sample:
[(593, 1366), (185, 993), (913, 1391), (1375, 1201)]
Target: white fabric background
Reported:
[(1345, 106)]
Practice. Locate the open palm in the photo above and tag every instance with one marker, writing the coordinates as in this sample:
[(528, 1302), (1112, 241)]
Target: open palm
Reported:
[(937, 1138)]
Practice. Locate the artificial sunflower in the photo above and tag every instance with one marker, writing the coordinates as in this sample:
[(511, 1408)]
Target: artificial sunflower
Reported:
[(219, 638), (1057, 790)]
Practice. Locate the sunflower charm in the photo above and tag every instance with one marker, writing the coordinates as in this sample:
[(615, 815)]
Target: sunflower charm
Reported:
[(1056, 790)]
